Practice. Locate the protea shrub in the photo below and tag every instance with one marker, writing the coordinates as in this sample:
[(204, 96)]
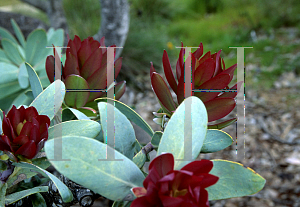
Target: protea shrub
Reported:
[(85, 69), (208, 73)]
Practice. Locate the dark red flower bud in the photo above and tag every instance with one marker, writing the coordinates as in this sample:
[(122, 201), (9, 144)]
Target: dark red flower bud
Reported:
[(85, 69), (24, 131), (164, 186), (208, 73)]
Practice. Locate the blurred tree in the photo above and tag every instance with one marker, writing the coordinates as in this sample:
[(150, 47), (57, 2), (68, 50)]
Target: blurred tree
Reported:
[(114, 19)]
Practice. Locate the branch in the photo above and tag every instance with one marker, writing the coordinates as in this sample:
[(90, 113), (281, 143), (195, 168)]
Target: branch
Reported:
[(273, 136), (114, 23)]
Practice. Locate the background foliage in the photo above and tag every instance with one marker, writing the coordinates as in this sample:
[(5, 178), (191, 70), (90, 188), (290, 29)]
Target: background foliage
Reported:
[(219, 24)]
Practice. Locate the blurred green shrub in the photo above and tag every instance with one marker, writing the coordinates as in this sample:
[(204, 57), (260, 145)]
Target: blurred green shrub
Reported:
[(278, 13), (13, 55), (83, 17)]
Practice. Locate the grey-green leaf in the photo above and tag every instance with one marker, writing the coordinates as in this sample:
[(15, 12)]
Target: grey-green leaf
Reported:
[(38, 200), (130, 114), (1, 118), (18, 32), (35, 83), (12, 52), (3, 57), (8, 89), (11, 198), (215, 141), (156, 138), (35, 46), (173, 140), (55, 37), (8, 72), (122, 204), (49, 101), (235, 180), (3, 187), (124, 132), (110, 178), (20, 173), (64, 191), (21, 99), (85, 128), (79, 115), (4, 33), (139, 159), (23, 76)]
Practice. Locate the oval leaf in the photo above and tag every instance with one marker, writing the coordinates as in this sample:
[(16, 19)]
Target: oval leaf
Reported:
[(11, 51), (222, 124), (168, 71), (49, 102), (21, 99), (79, 115), (64, 191), (156, 138), (11, 198), (122, 204), (124, 132), (76, 99), (173, 139), (35, 83), (38, 200), (8, 73), (3, 57), (4, 33), (130, 114), (162, 92), (1, 118), (86, 128), (8, 89), (219, 107), (23, 76), (35, 46), (20, 173), (218, 83), (18, 32), (110, 178), (215, 141), (55, 37), (3, 187), (235, 180), (139, 159)]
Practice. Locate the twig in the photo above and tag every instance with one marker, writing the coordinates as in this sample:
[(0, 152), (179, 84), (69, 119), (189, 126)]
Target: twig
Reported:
[(273, 136)]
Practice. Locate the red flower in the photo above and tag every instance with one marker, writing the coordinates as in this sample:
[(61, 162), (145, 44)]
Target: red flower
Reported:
[(85, 68), (24, 132), (208, 72), (166, 187)]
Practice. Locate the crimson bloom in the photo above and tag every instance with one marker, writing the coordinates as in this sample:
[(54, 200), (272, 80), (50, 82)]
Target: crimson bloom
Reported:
[(208, 73), (85, 69), (166, 187), (24, 132)]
